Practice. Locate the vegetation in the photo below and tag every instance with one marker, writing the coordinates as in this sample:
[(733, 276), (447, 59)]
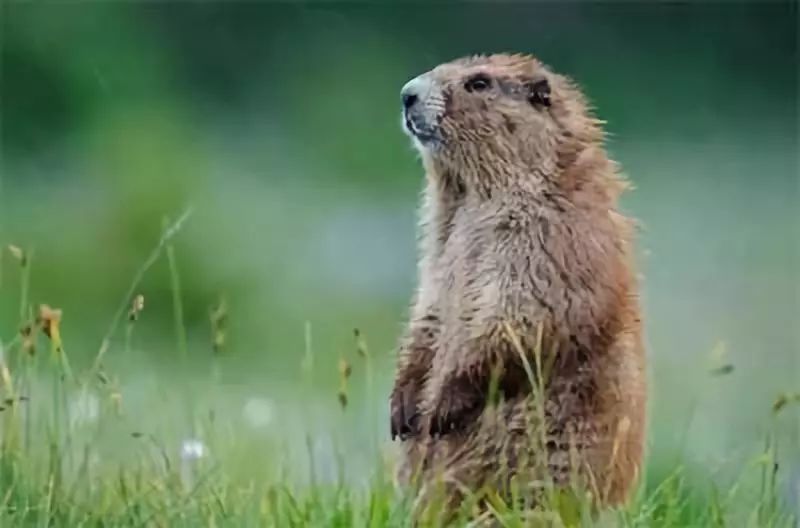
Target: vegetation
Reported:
[(51, 473), (204, 370)]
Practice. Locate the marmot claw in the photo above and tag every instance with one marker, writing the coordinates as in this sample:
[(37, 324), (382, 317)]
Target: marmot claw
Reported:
[(455, 412), (404, 415)]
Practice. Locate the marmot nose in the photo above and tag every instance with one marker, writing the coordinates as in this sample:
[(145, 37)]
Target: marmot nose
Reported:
[(409, 98), (413, 91)]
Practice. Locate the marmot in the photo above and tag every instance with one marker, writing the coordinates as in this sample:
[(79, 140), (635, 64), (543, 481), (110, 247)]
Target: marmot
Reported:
[(526, 280)]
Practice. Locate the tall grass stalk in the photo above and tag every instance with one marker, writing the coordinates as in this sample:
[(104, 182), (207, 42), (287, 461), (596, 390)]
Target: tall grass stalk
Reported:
[(168, 234), (177, 299)]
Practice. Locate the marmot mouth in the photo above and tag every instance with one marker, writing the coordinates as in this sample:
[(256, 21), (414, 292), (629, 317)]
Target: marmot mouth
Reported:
[(424, 134)]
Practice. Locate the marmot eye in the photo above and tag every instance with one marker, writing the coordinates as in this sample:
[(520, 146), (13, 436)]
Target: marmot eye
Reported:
[(478, 83)]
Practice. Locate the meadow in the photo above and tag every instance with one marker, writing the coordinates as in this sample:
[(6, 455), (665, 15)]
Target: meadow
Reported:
[(74, 453), (207, 248)]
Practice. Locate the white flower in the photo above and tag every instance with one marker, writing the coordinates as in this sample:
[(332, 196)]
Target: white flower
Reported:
[(84, 408), (258, 412), (192, 449)]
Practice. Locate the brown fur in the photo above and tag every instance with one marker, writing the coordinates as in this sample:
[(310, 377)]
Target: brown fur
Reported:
[(522, 250)]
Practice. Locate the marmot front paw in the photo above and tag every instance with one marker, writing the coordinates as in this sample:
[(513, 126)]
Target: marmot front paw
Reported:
[(458, 407)]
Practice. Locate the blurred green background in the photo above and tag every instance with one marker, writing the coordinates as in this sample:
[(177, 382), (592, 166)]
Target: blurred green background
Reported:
[(279, 124)]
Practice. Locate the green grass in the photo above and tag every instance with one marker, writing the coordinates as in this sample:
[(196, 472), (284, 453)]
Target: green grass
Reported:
[(119, 472)]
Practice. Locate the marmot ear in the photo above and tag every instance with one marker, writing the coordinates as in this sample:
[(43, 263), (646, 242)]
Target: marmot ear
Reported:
[(539, 93)]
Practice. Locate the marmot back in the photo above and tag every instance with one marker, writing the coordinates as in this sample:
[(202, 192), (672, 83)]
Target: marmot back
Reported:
[(523, 356)]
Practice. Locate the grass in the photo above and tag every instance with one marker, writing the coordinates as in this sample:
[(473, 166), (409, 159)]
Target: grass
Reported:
[(51, 473)]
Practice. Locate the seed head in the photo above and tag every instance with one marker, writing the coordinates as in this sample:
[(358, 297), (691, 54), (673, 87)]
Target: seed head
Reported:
[(137, 305), (49, 321), (18, 254)]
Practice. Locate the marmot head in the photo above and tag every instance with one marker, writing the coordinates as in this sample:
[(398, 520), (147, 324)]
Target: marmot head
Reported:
[(487, 117)]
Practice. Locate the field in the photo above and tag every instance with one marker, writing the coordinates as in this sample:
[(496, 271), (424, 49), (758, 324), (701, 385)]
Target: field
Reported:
[(74, 454), (207, 249)]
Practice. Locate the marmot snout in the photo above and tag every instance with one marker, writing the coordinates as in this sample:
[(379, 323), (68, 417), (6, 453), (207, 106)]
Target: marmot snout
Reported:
[(523, 258)]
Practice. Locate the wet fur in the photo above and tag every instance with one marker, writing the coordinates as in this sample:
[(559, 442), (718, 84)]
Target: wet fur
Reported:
[(520, 234)]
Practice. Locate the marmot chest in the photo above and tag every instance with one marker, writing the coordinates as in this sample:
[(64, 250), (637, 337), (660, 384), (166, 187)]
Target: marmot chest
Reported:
[(484, 271)]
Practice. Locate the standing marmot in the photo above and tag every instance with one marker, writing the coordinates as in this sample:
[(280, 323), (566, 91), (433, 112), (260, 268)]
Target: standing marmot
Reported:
[(525, 280)]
